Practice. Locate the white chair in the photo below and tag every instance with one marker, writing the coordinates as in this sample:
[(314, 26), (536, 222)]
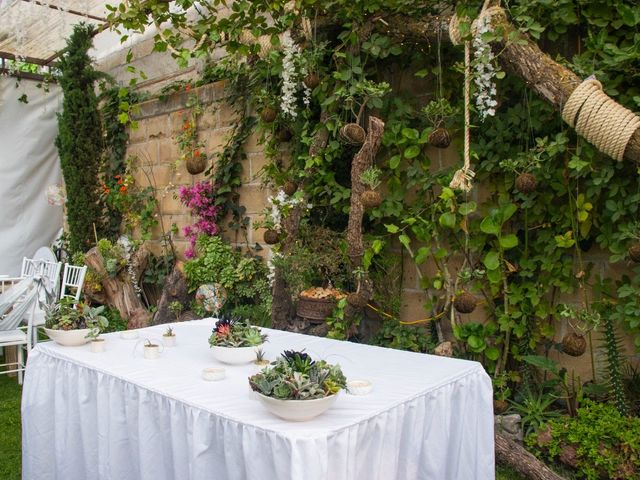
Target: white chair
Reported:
[(14, 306), (72, 280)]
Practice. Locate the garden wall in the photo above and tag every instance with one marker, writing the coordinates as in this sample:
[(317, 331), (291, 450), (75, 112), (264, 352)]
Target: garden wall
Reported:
[(154, 144)]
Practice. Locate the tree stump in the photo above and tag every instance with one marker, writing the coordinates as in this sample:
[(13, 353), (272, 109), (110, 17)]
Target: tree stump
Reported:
[(118, 291), (515, 456), (174, 290)]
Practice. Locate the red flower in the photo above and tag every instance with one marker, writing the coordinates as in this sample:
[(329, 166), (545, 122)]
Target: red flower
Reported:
[(188, 87), (120, 182), (197, 154), (118, 176), (186, 126), (223, 330), (123, 189)]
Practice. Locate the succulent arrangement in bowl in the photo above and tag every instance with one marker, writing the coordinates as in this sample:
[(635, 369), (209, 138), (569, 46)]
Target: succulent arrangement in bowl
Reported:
[(295, 387), (235, 341), (71, 325)]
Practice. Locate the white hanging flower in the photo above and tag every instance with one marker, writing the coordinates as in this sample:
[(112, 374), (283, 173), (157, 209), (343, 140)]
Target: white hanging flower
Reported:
[(281, 205), (290, 76), (55, 195), (484, 71)]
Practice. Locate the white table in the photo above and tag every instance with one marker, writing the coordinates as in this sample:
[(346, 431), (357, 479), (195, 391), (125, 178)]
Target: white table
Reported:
[(113, 416)]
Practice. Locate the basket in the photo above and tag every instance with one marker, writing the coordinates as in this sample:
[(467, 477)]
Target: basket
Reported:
[(315, 308)]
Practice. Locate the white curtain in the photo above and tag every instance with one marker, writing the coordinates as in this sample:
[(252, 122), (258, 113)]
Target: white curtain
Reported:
[(28, 164)]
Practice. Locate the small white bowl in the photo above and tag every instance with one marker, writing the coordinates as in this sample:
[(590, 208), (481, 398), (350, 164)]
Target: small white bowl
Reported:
[(359, 387), (97, 346), (213, 374), (169, 340), (129, 334)]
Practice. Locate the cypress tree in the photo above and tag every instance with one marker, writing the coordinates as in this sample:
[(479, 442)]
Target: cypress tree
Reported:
[(79, 138)]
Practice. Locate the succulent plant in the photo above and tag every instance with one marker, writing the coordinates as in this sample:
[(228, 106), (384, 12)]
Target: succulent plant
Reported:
[(231, 332)]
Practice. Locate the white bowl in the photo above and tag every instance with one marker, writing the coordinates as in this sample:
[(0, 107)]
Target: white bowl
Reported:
[(235, 355), (68, 338), (213, 374), (297, 410), (359, 387)]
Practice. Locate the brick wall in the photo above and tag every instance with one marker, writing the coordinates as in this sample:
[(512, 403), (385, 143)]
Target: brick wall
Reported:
[(153, 143)]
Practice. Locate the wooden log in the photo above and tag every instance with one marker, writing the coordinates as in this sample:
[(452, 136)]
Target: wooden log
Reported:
[(515, 456), (361, 161), (119, 291), (174, 290)]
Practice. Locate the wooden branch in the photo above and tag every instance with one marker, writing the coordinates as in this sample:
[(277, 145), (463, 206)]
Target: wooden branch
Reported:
[(550, 80), (361, 161), (515, 456)]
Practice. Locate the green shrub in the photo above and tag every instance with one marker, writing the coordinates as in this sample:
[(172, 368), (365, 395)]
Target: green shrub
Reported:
[(607, 445)]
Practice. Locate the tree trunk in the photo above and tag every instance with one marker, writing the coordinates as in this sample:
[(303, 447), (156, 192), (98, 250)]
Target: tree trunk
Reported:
[(282, 305), (515, 456), (174, 290), (361, 161), (119, 291), (550, 80)]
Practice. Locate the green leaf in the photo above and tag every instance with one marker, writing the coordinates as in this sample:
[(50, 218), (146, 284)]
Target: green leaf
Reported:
[(467, 208), (412, 152), (394, 162), (492, 353), (404, 240), (410, 133), (508, 241), (490, 226), (447, 220), (422, 255), (391, 228), (492, 260), (542, 362), (476, 343)]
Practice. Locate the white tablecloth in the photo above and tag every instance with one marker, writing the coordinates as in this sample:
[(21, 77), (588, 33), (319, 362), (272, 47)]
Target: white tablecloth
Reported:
[(117, 416)]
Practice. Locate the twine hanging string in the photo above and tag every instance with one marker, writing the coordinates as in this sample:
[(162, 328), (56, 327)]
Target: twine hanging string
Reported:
[(606, 124)]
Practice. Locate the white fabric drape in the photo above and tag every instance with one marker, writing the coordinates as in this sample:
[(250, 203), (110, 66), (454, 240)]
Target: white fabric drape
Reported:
[(28, 164), (117, 416)]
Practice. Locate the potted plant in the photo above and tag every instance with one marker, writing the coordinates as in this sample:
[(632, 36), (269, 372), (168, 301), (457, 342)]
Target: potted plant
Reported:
[(151, 350), (310, 62), (169, 338), (71, 326), (317, 303), (100, 322), (260, 359), (371, 198), (465, 302), (501, 392), (297, 388), (524, 166), (234, 341), (581, 321), (438, 113), (265, 103)]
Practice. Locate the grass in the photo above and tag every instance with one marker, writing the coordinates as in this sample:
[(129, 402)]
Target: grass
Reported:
[(10, 430)]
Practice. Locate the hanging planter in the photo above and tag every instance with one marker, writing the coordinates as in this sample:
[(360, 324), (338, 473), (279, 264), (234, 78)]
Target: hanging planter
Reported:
[(574, 344), (465, 303), (311, 80), (271, 237), (634, 252), (370, 199), (290, 188), (268, 114), (440, 138), (283, 134), (353, 134), (357, 300), (196, 163), (526, 183)]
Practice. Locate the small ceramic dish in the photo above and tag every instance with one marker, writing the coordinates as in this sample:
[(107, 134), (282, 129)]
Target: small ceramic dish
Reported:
[(359, 387), (129, 334), (213, 374)]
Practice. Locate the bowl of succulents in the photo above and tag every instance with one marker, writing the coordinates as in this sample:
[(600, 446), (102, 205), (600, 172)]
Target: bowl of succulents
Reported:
[(235, 341), (297, 388), (72, 325)]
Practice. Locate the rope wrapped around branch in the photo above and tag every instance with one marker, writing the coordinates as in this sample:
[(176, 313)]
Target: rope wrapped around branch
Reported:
[(606, 124)]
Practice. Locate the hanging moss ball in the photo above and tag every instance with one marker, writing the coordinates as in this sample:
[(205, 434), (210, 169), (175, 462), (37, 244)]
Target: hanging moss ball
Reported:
[(290, 187), (353, 134), (440, 138), (357, 300), (283, 135), (465, 303), (268, 114), (574, 344), (370, 199), (500, 406), (634, 252), (526, 183), (311, 80), (271, 237), (196, 165)]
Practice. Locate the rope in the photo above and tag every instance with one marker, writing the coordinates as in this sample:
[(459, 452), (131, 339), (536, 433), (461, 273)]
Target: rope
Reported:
[(463, 177), (606, 124)]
